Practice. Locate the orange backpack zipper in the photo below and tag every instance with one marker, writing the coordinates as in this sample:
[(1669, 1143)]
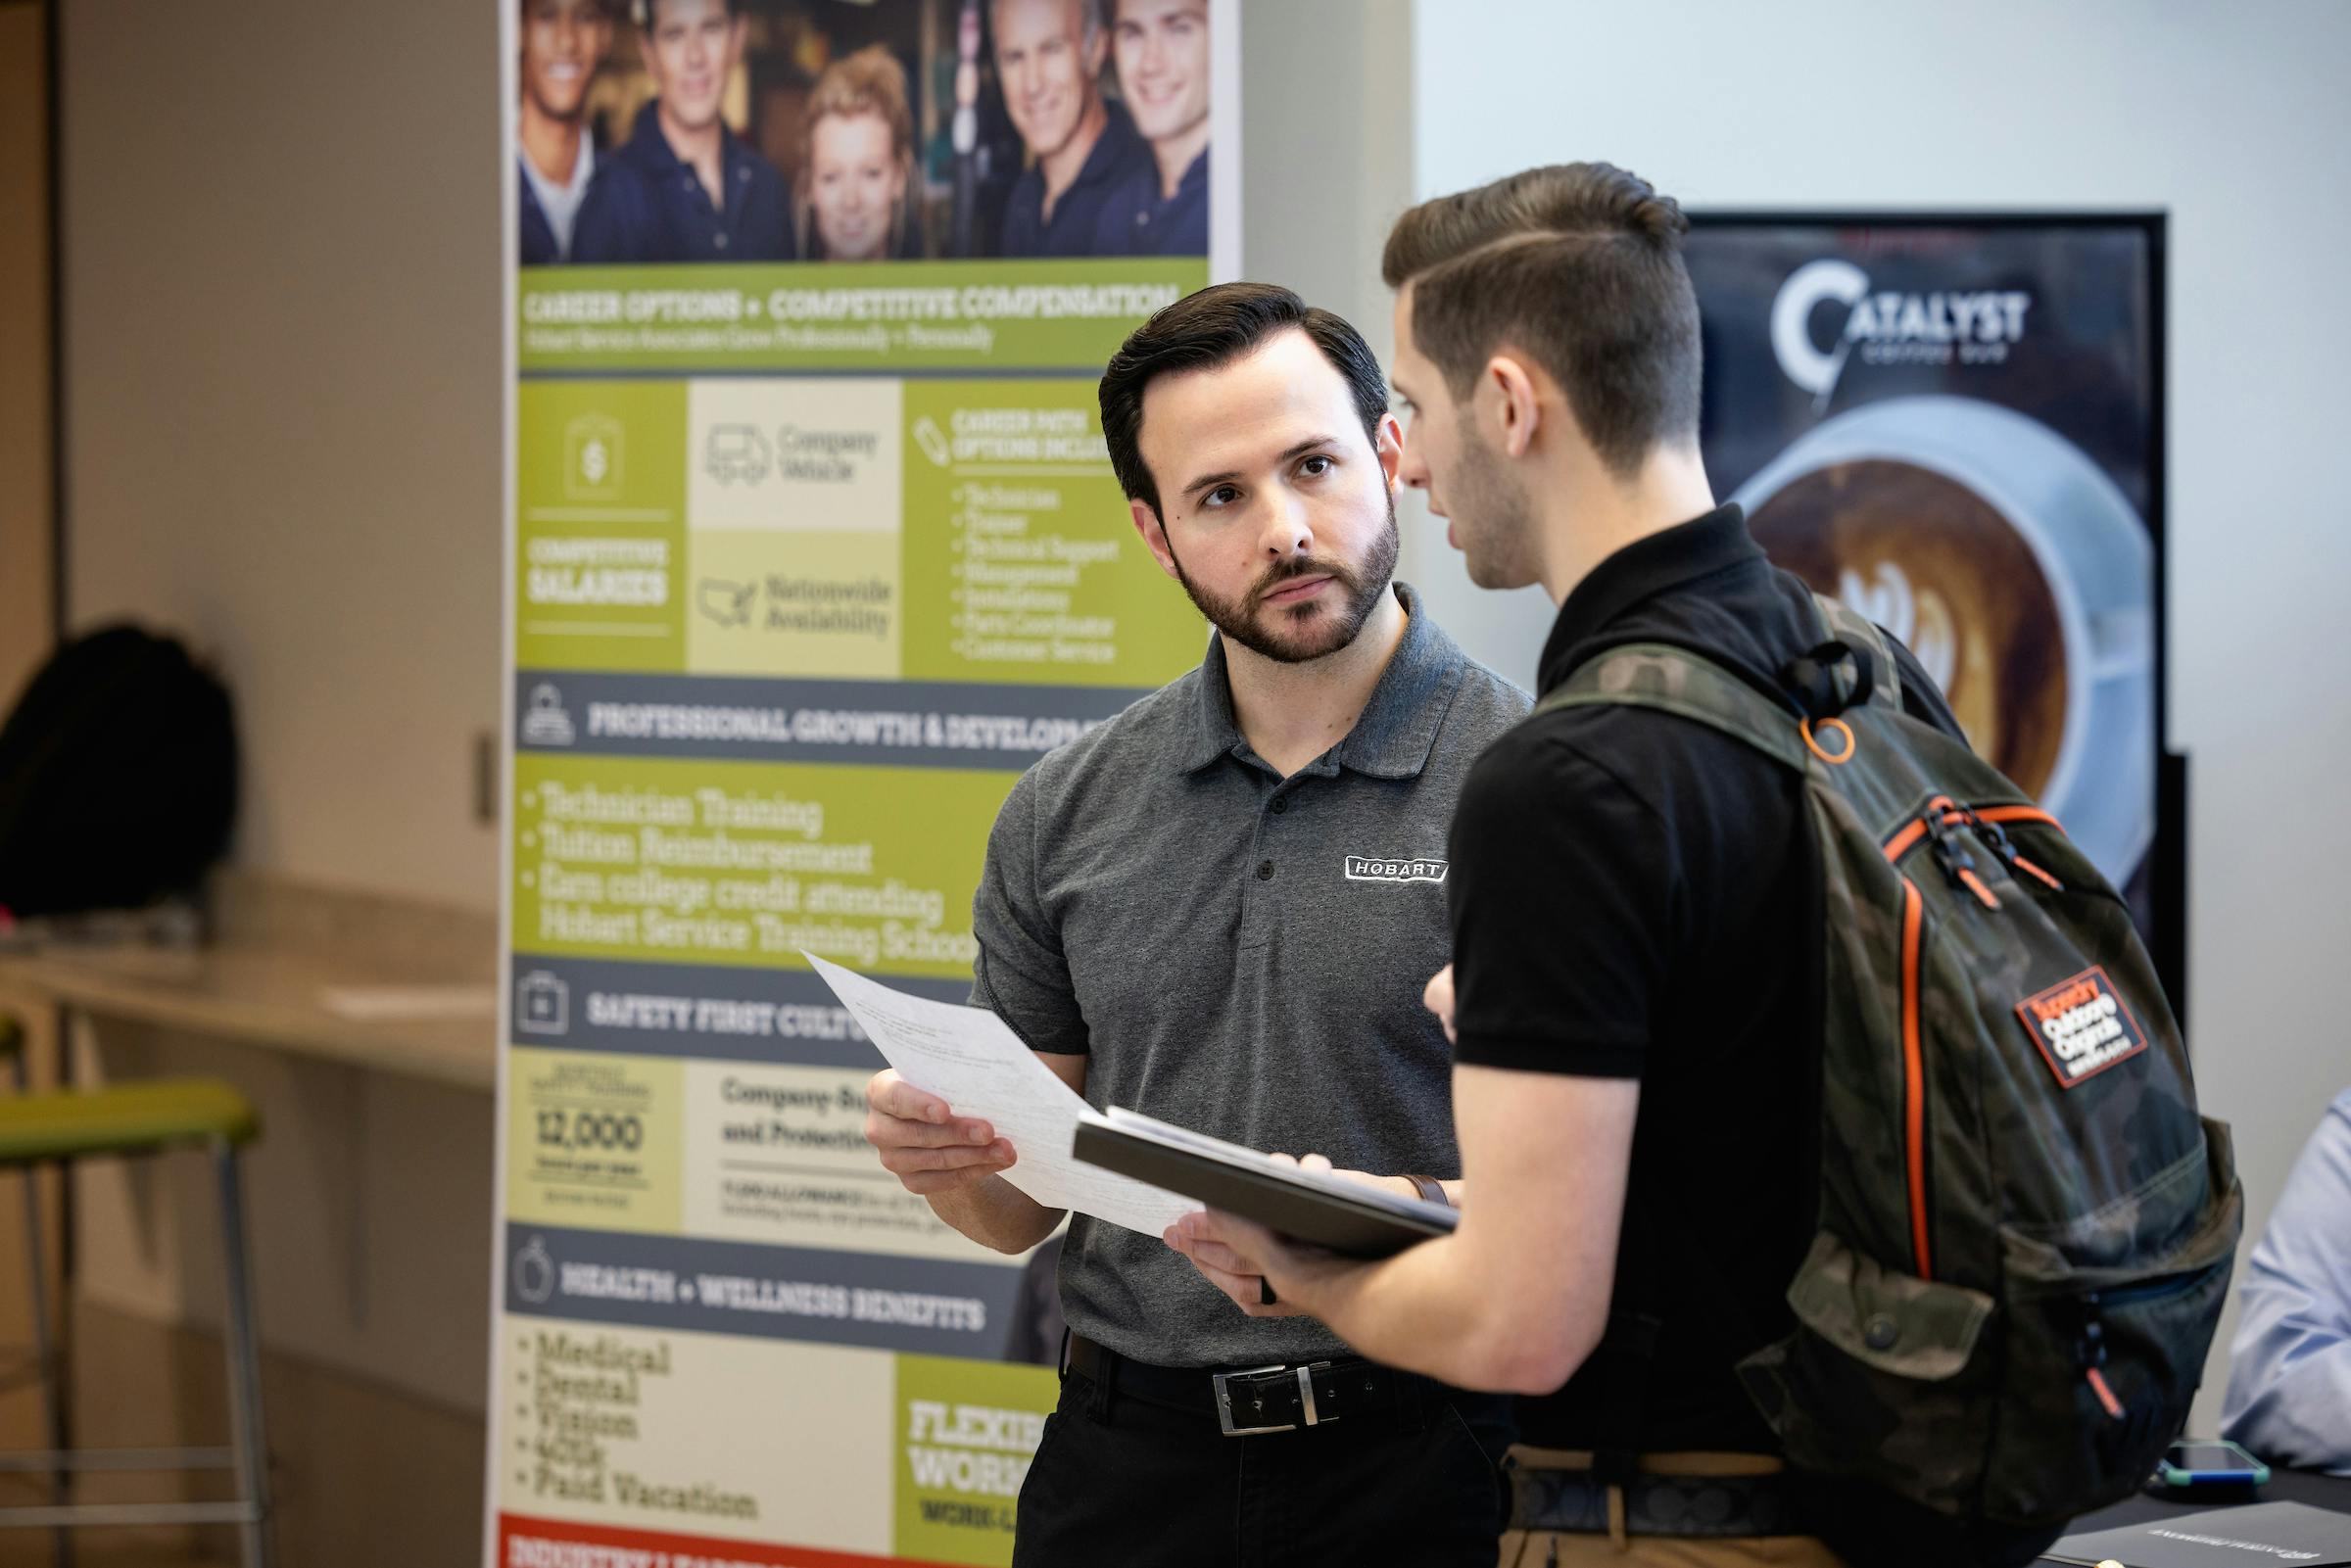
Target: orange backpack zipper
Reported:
[(1942, 817)]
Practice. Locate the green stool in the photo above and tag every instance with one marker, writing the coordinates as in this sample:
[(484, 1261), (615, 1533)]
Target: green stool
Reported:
[(143, 1118)]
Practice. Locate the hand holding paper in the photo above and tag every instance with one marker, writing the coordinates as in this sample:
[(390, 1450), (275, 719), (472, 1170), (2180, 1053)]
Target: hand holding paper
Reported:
[(924, 1143), (968, 1058)]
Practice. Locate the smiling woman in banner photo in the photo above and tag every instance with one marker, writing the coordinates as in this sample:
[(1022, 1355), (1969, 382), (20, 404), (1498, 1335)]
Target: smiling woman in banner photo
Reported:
[(856, 155)]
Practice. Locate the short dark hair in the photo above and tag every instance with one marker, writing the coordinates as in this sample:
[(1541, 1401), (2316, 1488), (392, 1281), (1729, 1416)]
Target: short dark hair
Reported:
[(1215, 327), (1578, 265)]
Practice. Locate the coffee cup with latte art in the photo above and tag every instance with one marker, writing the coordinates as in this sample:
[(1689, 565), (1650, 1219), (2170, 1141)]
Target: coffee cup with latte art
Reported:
[(2015, 571)]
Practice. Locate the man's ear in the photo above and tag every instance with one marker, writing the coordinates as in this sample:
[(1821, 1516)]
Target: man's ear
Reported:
[(1155, 535), (1388, 443), (1517, 410)]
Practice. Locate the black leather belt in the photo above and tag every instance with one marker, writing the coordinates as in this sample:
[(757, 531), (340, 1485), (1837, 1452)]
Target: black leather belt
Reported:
[(1257, 1399), (1576, 1502)]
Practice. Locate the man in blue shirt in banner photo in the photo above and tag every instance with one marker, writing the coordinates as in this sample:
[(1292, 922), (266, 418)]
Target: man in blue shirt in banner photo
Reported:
[(1219, 909), (1049, 56), (709, 196), (1161, 48)]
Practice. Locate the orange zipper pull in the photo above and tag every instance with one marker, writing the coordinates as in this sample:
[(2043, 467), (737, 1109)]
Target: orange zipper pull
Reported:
[(1974, 885), (2030, 870), (2004, 848), (1957, 865)]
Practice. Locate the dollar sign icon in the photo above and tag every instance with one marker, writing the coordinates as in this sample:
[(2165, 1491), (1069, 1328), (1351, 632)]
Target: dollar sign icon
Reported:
[(593, 464)]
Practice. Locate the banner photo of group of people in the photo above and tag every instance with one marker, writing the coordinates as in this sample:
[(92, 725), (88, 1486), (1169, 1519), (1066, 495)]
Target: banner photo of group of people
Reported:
[(1956, 426), (818, 131), (814, 548)]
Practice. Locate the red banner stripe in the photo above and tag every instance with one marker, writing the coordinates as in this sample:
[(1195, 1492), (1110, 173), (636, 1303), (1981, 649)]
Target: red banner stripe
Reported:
[(661, 1550)]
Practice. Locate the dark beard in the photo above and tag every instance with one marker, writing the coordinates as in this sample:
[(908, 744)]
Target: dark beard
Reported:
[(1241, 621)]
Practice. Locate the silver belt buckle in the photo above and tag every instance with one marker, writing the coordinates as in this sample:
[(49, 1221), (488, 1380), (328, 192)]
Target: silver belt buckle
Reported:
[(1306, 1398)]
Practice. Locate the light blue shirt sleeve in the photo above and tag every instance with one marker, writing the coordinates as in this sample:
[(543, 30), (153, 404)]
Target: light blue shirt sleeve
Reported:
[(2290, 1384)]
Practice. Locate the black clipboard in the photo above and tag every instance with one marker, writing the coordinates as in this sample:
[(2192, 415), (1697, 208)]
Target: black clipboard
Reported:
[(1328, 1212)]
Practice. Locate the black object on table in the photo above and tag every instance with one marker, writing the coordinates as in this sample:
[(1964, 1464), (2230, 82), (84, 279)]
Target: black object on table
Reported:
[(2307, 1486)]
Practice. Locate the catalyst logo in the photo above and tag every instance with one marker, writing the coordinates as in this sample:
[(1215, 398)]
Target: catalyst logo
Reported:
[(1886, 326), (1371, 869)]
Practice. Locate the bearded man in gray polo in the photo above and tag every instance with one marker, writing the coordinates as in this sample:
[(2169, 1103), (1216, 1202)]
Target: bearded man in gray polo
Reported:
[(1219, 909)]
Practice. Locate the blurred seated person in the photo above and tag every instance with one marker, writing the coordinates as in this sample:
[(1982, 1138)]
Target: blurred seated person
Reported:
[(701, 194), (858, 158), (2290, 1385)]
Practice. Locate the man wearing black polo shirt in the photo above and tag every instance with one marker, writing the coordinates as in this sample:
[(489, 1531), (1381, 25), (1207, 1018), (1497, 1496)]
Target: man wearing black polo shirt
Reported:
[(706, 196), (1219, 909), (1634, 902), (1161, 207)]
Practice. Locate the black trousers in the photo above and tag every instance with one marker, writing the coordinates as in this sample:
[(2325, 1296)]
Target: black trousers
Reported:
[(1118, 1482)]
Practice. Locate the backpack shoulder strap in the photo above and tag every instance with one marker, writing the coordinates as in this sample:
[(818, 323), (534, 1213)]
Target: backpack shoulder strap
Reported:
[(1856, 632), (1674, 680)]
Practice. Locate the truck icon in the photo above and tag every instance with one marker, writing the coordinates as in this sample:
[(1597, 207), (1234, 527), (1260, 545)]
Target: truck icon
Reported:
[(734, 452)]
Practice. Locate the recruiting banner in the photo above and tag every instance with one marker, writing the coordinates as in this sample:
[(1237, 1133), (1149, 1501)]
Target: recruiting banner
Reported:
[(1956, 426), (814, 546)]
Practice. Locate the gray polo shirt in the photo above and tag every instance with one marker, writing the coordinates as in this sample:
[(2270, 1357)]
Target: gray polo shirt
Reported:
[(1239, 953)]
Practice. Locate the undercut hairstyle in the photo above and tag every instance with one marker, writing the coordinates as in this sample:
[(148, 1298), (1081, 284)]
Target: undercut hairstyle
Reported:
[(1215, 327), (1580, 267)]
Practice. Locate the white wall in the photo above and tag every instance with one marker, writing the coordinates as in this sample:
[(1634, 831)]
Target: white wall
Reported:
[(282, 403), (1326, 170), (281, 232), (2230, 118)]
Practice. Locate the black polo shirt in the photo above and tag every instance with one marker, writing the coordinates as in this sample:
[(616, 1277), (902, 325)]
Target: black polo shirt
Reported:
[(1136, 220), (1635, 895), (1117, 152), (676, 216)]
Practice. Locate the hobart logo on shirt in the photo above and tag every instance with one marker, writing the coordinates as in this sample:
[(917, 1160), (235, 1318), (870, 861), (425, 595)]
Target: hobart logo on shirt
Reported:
[(2081, 1026), (1373, 869)]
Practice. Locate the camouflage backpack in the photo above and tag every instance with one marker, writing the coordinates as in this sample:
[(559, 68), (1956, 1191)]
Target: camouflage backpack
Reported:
[(2025, 1229)]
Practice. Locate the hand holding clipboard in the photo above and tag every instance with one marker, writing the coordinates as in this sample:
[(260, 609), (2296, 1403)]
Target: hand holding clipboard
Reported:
[(1318, 1207)]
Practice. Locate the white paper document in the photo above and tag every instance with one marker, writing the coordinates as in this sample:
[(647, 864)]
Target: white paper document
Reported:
[(968, 1058)]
